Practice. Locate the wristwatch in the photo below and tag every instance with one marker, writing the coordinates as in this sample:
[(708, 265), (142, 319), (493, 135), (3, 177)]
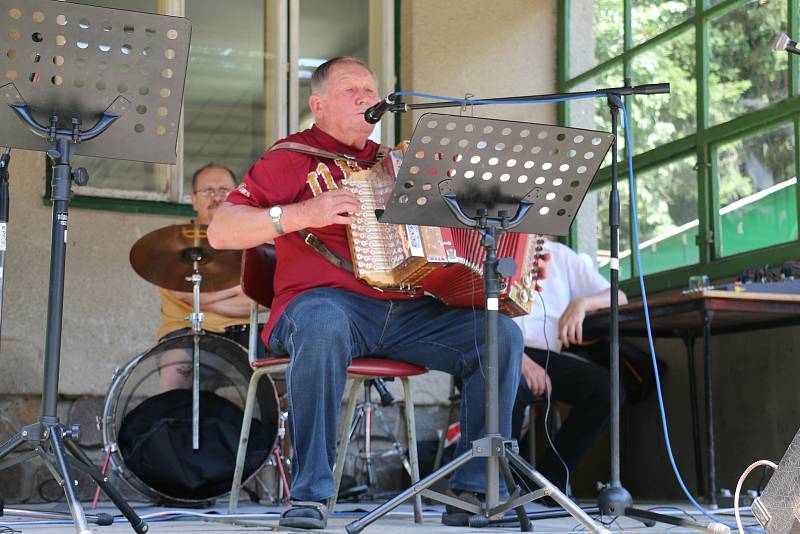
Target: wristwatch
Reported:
[(275, 213)]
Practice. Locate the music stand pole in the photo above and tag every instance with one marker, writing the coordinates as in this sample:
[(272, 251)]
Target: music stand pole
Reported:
[(94, 55), (50, 439), (5, 159)]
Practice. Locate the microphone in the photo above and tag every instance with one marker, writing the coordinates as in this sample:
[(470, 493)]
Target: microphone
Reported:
[(784, 42), (374, 113)]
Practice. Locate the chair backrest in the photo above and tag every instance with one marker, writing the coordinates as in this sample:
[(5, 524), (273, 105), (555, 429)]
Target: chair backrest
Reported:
[(258, 271)]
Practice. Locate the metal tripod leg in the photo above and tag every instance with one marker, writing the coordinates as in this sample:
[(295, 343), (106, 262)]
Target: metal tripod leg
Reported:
[(565, 502), (483, 517), (85, 464), (67, 482)]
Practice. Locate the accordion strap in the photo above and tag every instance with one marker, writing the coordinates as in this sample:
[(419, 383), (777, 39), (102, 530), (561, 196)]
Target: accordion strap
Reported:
[(317, 244), (320, 153)]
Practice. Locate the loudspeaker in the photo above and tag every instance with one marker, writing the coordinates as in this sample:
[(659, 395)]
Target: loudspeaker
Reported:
[(778, 508)]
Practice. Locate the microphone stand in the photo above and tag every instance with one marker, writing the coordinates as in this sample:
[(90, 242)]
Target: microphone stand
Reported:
[(389, 104), (614, 500)]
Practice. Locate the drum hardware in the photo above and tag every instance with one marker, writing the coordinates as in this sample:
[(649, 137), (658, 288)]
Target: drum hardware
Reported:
[(179, 258), (366, 413), (170, 256), (225, 372), (282, 465)]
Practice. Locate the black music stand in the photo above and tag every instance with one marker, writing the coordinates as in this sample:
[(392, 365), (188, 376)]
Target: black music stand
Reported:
[(475, 172), (80, 64)]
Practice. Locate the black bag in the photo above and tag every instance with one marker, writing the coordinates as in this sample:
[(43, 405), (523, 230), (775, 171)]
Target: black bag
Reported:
[(155, 440)]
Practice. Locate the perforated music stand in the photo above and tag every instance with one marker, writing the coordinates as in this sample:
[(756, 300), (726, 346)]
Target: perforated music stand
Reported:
[(493, 176), (68, 65)]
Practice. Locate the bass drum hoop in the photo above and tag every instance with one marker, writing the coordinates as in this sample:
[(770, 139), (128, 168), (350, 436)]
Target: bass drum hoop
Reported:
[(116, 462)]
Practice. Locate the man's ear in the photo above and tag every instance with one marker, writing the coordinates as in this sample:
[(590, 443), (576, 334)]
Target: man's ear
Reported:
[(315, 105)]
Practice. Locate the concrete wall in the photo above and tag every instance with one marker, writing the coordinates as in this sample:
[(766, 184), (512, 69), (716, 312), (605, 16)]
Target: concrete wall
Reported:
[(110, 313)]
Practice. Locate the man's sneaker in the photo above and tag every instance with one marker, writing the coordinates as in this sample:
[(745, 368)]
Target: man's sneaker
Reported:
[(456, 517), (305, 514)]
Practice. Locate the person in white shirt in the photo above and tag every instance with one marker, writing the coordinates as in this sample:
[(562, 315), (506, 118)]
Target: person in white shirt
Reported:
[(572, 289)]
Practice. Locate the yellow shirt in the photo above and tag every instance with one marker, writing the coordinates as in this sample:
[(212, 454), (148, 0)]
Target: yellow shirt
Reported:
[(174, 312)]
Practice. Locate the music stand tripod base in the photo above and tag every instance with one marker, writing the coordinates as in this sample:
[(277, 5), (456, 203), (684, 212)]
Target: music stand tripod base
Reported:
[(493, 176), (66, 106)]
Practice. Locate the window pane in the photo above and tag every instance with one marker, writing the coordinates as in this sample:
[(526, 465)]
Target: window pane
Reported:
[(118, 178), (224, 118), (667, 215), (329, 29), (594, 114), (652, 17), (603, 231), (660, 119), (757, 182), (744, 73), (595, 29)]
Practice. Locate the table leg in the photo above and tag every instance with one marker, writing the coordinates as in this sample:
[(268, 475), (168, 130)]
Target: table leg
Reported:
[(708, 316), (698, 455)]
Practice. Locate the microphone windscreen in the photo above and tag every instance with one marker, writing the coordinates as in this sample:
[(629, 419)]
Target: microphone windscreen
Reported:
[(780, 42)]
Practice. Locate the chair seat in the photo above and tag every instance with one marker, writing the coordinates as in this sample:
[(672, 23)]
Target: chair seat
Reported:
[(382, 367), (360, 366)]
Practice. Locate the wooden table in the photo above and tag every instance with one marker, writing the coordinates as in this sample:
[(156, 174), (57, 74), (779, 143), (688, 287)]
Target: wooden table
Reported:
[(691, 315)]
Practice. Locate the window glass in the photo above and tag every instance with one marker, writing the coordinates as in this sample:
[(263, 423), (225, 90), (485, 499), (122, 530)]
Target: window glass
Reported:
[(329, 29), (666, 206), (224, 118), (120, 178), (661, 118), (744, 73), (650, 18), (596, 33), (757, 190)]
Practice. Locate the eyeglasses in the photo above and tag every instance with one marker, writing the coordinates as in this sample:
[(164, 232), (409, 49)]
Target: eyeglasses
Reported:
[(211, 192)]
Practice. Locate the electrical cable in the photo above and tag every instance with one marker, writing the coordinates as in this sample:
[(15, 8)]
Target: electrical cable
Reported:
[(739, 488)]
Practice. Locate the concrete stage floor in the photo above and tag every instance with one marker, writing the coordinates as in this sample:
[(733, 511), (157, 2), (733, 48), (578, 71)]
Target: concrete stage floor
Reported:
[(400, 521)]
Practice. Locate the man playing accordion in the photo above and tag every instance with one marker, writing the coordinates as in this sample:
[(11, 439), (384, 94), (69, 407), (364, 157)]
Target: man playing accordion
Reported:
[(323, 317)]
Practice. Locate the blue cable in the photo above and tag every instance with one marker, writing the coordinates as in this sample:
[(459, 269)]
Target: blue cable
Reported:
[(632, 186), (637, 255)]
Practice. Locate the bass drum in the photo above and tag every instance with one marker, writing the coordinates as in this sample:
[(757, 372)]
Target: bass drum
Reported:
[(147, 420)]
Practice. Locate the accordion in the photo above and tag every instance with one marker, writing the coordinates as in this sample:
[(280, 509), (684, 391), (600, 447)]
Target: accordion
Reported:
[(445, 262)]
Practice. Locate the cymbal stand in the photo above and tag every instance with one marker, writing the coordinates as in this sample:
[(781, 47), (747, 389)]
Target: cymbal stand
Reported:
[(49, 439), (197, 321)]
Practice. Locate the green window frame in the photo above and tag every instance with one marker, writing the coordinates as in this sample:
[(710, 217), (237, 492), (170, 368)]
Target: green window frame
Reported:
[(702, 145)]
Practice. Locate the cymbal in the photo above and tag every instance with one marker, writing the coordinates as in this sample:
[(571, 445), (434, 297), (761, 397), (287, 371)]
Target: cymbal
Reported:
[(167, 257)]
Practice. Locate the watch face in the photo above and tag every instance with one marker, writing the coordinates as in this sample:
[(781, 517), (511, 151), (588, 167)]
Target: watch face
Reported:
[(275, 211)]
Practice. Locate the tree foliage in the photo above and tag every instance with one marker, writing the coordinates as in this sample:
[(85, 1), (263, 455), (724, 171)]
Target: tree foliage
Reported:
[(744, 76)]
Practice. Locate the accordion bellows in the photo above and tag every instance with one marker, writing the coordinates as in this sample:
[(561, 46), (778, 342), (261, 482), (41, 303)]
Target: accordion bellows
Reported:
[(445, 262)]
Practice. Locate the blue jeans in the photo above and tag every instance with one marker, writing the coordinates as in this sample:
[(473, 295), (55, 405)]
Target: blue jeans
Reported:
[(324, 329)]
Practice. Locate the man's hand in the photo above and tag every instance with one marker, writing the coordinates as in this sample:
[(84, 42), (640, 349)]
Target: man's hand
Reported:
[(331, 207), (535, 376), (570, 325)]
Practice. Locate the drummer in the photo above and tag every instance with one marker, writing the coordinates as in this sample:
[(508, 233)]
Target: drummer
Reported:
[(226, 312)]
